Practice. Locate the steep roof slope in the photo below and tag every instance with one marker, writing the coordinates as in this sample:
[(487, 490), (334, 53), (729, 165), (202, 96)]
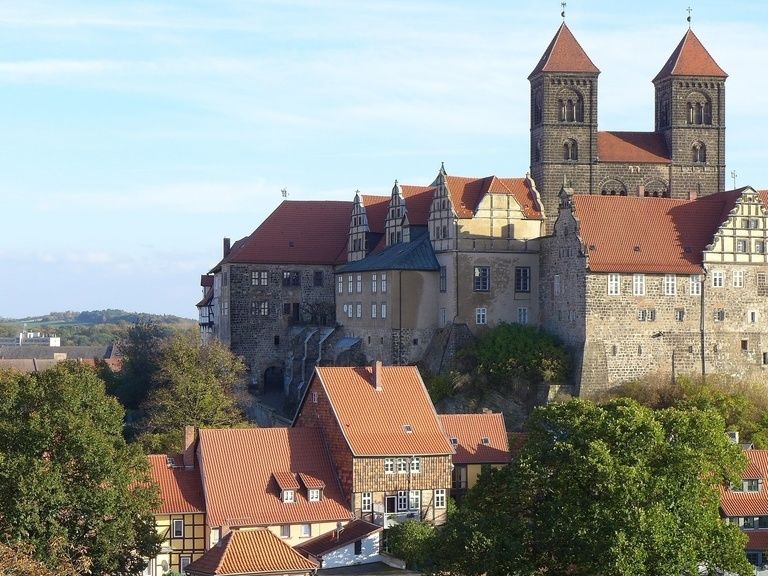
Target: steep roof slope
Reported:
[(298, 232), (377, 422), (181, 491), (640, 147), (690, 58), (564, 54), (735, 503), (239, 468), (467, 193), (480, 438)]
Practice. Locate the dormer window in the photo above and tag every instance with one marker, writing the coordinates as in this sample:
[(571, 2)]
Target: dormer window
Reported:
[(314, 495), (454, 441), (751, 485), (485, 441), (288, 496), (313, 485), (407, 428), (287, 484)]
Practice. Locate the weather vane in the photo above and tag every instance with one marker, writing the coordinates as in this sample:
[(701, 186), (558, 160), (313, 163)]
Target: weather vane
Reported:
[(689, 10), (562, 14), (284, 192), (734, 176)]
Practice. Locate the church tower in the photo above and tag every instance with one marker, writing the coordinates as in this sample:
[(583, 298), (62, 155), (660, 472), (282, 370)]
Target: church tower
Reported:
[(563, 120), (690, 113)]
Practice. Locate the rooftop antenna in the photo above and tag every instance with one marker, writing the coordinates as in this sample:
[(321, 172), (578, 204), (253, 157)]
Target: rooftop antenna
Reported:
[(562, 14), (734, 175), (284, 192), (689, 10)]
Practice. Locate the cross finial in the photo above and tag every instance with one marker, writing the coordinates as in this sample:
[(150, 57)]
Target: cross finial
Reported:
[(734, 176), (562, 14), (689, 10), (284, 192)]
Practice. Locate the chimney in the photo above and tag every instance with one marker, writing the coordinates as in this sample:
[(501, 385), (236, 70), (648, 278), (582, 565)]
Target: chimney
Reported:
[(692, 195), (190, 440), (377, 376), (226, 247)]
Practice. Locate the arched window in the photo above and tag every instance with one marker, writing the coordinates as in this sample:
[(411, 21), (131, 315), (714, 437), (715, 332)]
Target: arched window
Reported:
[(656, 189), (707, 112), (699, 109), (537, 152), (561, 110), (570, 107), (537, 112), (613, 188), (580, 109), (699, 113), (570, 150), (699, 152)]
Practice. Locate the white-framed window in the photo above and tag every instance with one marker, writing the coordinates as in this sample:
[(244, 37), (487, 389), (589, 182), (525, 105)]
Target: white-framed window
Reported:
[(759, 246), (482, 279), (367, 502), (340, 283), (359, 283), (440, 498), (670, 285), (215, 536), (481, 315), (741, 246), (285, 531), (306, 531), (415, 464), (402, 500), (288, 496), (414, 500), (679, 314), (259, 278), (522, 315), (718, 279), (359, 310), (694, 285), (383, 310), (184, 561), (349, 310), (646, 315), (178, 528), (374, 282), (373, 310), (383, 282), (402, 466), (389, 465), (638, 284), (752, 316), (314, 495), (614, 284), (719, 315), (522, 278), (556, 285), (350, 283), (738, 278), (264, 308)]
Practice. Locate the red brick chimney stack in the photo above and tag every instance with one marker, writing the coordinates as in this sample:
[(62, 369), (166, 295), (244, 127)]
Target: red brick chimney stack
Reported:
[(190, 442), (377, 376)]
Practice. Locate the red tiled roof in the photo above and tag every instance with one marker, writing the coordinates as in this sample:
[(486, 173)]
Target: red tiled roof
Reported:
[(373, 422), (564, 54), (243, 552), (466, 193), (355, 530), (469, 430), (749, 503), (206, 280), (180, 490), (286, 480), (690, 58), (640, 147), (652, 235), (375, 211), (238, 466), (298, 232), (418, 202), (757, 540), (310, 481)]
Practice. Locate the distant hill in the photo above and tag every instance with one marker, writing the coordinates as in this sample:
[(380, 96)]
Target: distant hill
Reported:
[(94, 327)]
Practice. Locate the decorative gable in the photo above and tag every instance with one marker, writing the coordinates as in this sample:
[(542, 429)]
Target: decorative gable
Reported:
[(396, 228), (741, 238), (359, 229)]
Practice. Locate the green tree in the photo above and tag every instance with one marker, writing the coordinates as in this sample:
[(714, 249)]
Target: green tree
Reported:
[(71, 489), (411, 541), (510, 351), (140, 350), (195, 385), (616, 490)]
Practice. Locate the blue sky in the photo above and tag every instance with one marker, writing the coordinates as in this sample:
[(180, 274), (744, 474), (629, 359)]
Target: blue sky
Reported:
[(135, 135)]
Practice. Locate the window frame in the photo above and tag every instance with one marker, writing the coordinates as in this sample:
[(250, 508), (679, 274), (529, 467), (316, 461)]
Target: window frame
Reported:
[(366, 502), (415, 465), (694, 284), (389, 465), (440, 499), (313, 494), (285, 531), (614, 284), (180, 532), (481, 279), (670, 285), (718, 279), (481, 316), (638, 284), (414, 497), (523, 279), (737, 278), (402, 501)]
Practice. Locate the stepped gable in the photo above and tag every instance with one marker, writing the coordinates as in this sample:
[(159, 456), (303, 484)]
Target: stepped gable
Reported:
[(467, 193), (470, 431), (240, 468), (653, 235), (180, 490), (564, 54), (244, 552), (638, 147), (400, 410), (690, 58), (298, 232)]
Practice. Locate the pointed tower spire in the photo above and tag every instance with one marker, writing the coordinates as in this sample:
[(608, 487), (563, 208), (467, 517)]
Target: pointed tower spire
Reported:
[(397, 190), (690, 58), (564, 54)]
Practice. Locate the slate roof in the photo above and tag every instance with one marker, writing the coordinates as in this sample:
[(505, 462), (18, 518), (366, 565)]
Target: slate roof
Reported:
[(180, 490), (749, 503), (467, 193), (639, 147), (469, 430), (298, 232), (36, 351), (564, 54), (333, 540), (373, 421), (240, 489), (690, 58), (245, 552), (414, 255), (649, 235)]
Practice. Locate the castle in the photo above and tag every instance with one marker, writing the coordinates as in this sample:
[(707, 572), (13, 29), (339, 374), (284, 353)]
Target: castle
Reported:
[(624, 244)]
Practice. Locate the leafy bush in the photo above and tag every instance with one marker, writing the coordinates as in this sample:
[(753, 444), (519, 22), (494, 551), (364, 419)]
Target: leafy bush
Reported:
[(411, 541)]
